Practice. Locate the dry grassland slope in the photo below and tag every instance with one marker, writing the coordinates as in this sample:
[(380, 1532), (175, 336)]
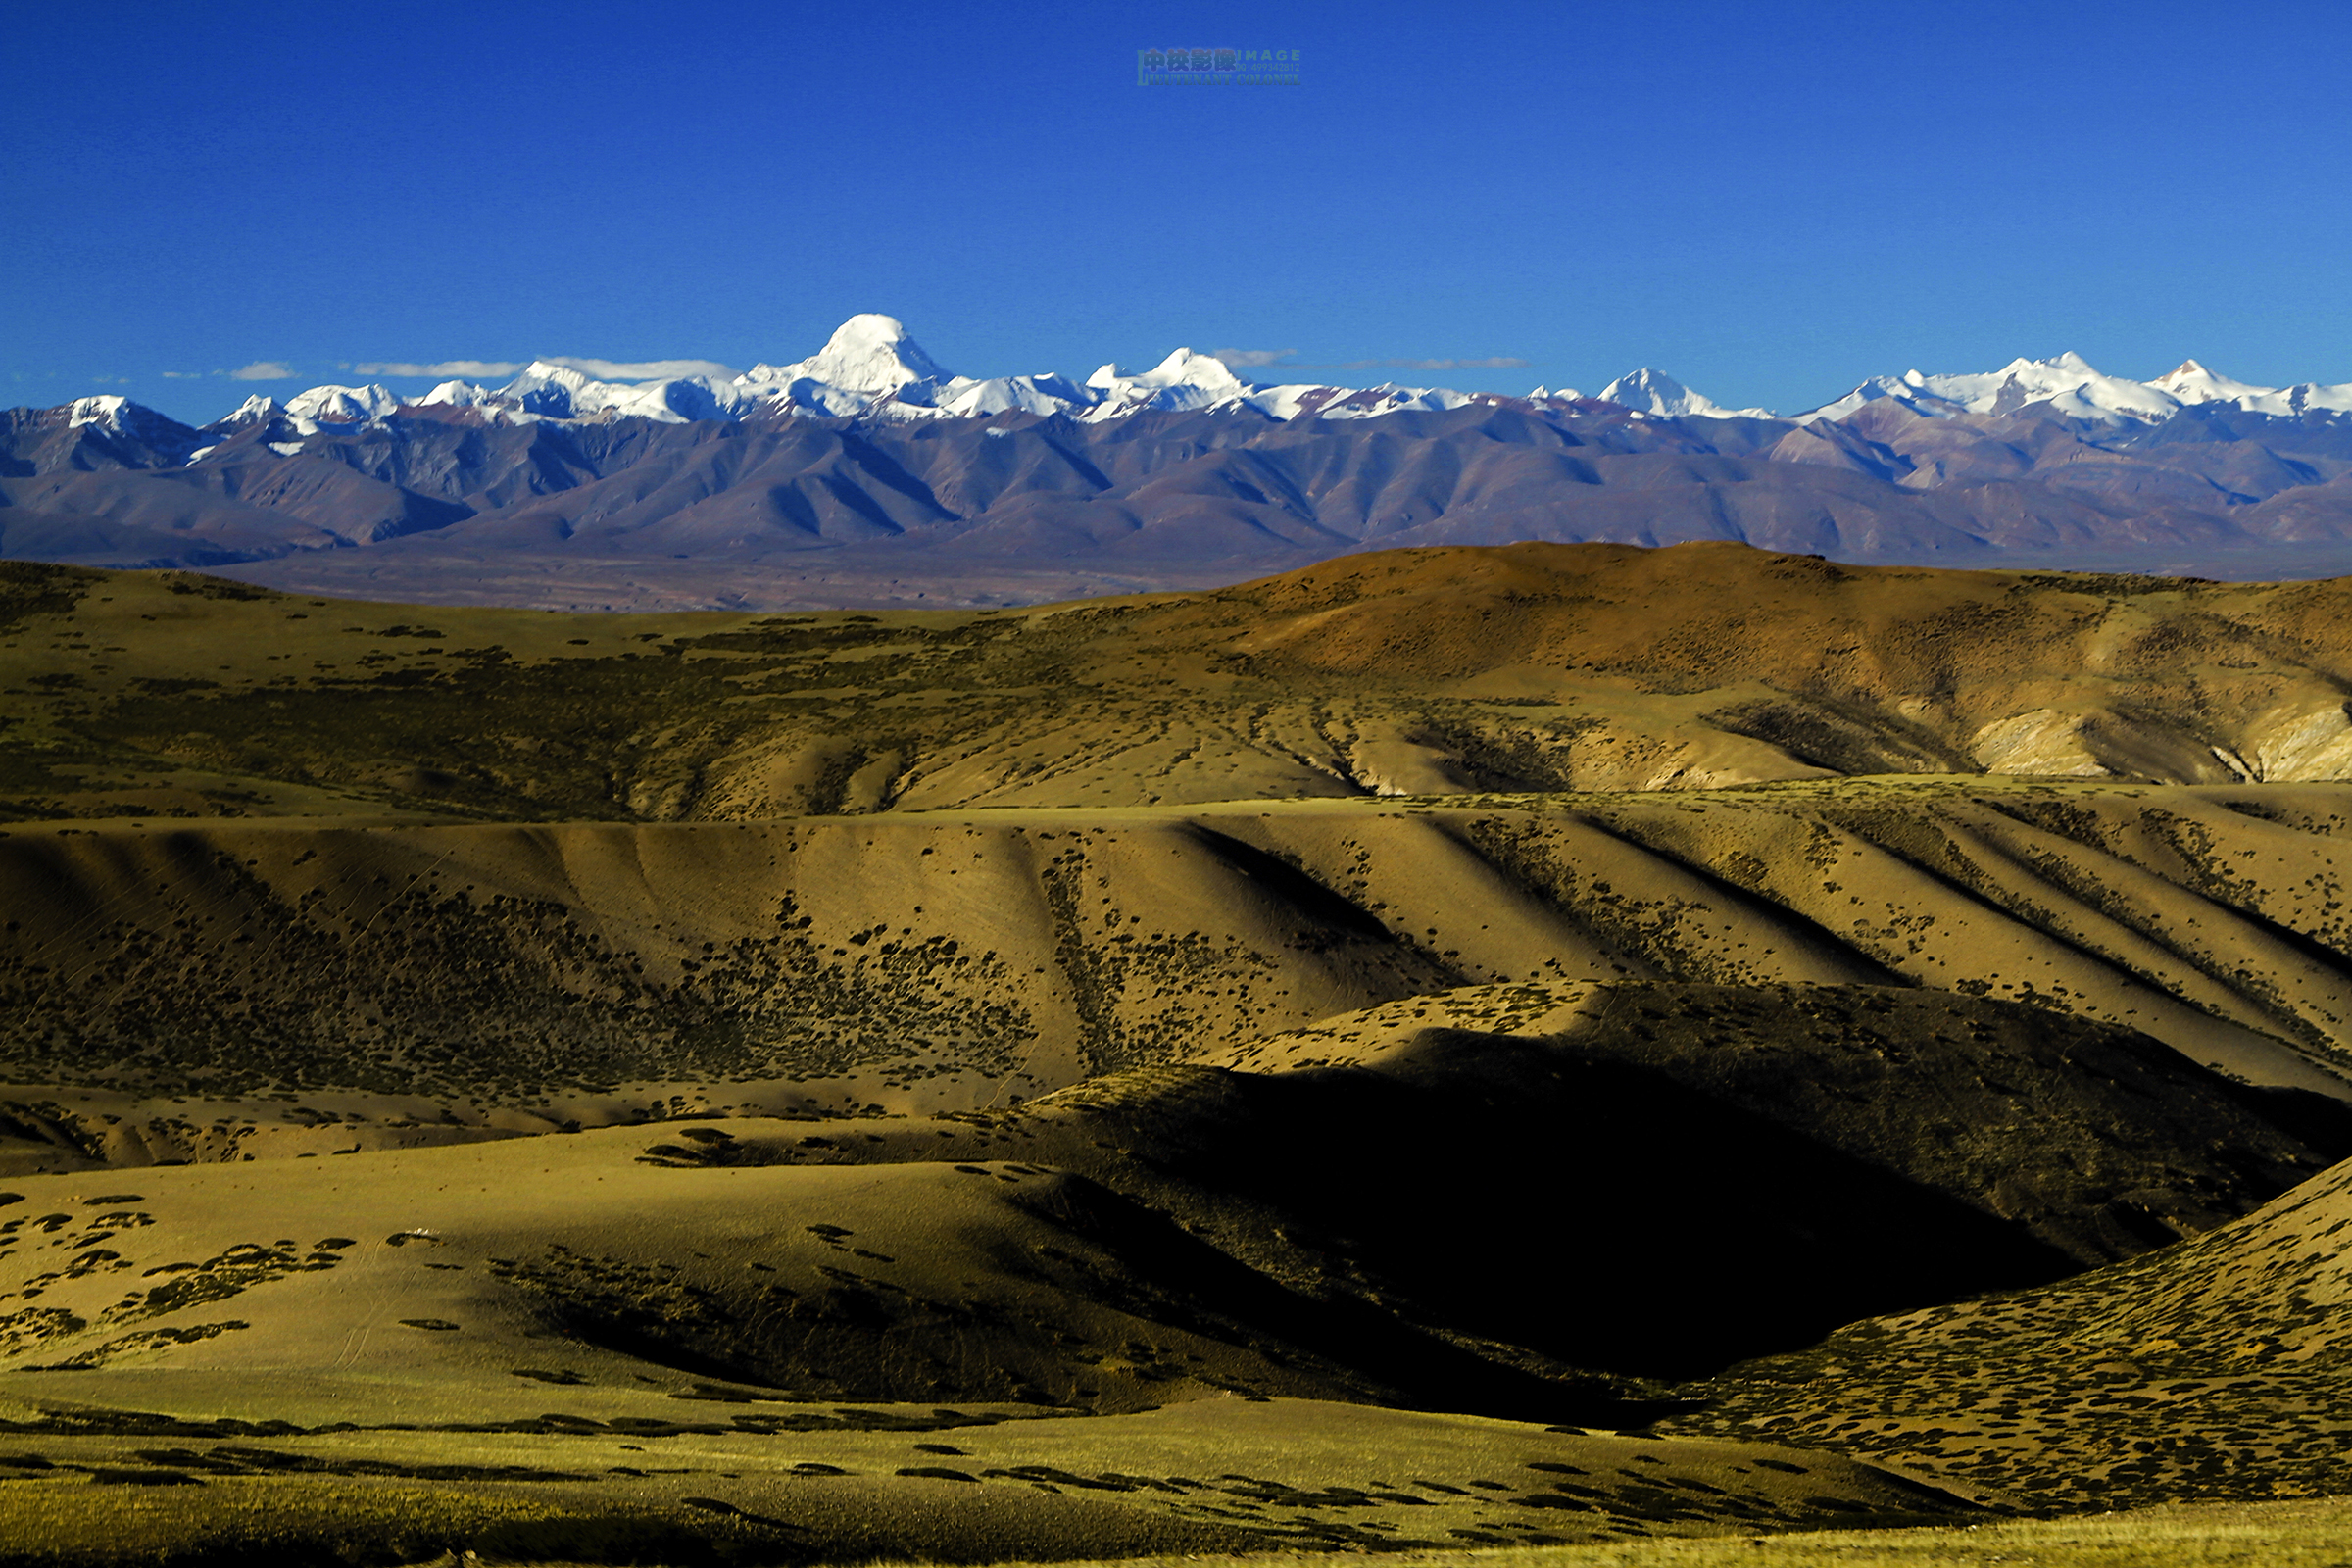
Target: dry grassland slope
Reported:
[(207, 990), (1259, 1068), (1535, 667), (617, 1358), (2216, 1368)]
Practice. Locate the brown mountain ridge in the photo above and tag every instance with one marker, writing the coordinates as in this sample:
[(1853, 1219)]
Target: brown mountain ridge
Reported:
[(448, 504)]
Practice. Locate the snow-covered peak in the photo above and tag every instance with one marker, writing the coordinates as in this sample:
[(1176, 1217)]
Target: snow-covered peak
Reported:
[(555, 391), (1648, 391), (1183, 381), (866, 353), (118, 421), (134, 422), (257, 410), (254, 409), (2070, 386), (2067, 384), (550, 389), (107, 413), (1345, 403), (2308, 395), (1045, 394), (1910, 389), (342, 405), (554, 372), (2191, 382), (460, 395), (1183, 367)]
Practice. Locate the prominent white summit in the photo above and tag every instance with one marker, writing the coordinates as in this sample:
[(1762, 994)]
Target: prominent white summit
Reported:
[(1183, 381), (2191, 382), (872, 367), (340, 405), (107, 413), (1648, 391), (866, 353)]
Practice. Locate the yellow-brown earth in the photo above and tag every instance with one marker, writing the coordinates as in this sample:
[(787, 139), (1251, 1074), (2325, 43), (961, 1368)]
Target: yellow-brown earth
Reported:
[(1459, 1047)]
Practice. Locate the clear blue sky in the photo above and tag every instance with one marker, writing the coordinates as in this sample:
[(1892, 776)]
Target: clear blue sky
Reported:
[(1768, 201)]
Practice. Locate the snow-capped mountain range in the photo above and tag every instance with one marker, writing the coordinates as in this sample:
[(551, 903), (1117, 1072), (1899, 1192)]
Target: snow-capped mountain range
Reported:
[(871, 467), (2068, 386), (872, 367)]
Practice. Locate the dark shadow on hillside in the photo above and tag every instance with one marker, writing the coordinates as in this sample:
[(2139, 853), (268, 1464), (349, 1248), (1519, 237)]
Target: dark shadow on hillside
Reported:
[(1599, 1214)]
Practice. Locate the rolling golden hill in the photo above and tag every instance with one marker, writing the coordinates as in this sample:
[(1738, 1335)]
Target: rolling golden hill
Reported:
[(1530, 666), (1488, 1046)]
